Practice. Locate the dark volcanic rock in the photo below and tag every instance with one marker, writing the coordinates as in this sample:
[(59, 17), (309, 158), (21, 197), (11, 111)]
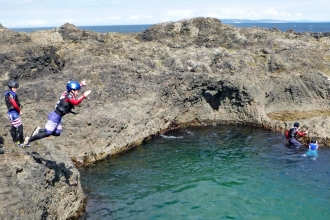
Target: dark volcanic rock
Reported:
[(43, 185), (197, 31), (191, 72)]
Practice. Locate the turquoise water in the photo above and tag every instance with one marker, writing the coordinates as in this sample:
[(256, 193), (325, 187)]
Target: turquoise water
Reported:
[(224, 172)]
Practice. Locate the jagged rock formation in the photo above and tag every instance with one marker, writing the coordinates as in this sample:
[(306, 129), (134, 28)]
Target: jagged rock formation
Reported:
[(191, 72)]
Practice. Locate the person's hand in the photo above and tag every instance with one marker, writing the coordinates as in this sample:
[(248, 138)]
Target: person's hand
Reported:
[(20, 113), (83, 83), (87, 93)]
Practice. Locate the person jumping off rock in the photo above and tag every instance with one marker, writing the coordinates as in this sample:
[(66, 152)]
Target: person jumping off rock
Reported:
[(291, 135), (64, 106), (14, 113)]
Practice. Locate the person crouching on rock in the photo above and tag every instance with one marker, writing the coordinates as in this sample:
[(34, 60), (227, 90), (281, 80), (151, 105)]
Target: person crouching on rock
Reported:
[(292, 135), (14, 113), (64, 106)]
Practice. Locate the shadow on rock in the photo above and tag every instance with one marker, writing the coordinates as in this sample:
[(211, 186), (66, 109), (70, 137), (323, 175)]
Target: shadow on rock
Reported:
[(213, 98), (58, 170)]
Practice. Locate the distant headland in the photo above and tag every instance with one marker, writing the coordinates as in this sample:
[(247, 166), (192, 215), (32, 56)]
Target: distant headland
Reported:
[(228, 21)]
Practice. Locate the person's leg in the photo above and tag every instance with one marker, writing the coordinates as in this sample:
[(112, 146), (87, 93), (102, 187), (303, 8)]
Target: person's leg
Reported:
[(13, 134), (38, 136), (58, 129), (51, 126), (16, 122), (49, 129), (294, 143), (45, 133), (20, 137)]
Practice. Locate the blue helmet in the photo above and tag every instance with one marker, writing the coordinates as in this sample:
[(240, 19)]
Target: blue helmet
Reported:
[(73, 85)]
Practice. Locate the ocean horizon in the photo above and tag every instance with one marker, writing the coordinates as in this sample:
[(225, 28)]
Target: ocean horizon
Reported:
[(318, 27)]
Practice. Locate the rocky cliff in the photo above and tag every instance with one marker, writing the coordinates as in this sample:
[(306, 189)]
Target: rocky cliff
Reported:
[(191, 72)]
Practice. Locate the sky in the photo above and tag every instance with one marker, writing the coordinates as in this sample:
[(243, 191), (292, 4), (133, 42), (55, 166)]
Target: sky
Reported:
[(55, 13)]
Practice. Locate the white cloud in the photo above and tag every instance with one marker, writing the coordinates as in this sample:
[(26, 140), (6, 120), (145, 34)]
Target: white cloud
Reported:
[(253, 15), (232, 12), (134, 17), (212, 15), (16, 2), (172, 15), (275, 14), (29, 23), (179, 13), (68, 20), (271, 12)]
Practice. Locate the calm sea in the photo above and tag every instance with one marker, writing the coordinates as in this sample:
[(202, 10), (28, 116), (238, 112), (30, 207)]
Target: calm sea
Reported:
[(224, 172), (297, 27)]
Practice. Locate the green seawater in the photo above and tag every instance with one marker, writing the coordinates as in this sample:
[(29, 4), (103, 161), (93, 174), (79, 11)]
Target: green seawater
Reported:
[(223, 172)]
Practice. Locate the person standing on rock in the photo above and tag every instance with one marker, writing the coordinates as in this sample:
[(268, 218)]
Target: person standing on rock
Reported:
[(64, 106), (14, 113), (292, 135)]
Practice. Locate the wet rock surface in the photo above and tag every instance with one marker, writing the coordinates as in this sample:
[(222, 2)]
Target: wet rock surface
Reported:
[(191, 72)]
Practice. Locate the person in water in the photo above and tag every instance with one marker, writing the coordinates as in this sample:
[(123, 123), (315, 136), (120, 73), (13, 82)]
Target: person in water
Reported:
[(292, 135), (14, 113), (64, 106), (312, 151)]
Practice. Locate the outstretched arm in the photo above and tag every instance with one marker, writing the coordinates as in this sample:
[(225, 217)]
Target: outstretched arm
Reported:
[(302, 133), (77, 101)]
